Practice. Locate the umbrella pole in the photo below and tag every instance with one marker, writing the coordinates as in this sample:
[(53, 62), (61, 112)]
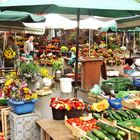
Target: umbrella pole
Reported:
[(77, 50)]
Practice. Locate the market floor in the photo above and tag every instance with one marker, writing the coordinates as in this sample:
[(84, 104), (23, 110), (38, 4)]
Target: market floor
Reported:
[(42, 105)]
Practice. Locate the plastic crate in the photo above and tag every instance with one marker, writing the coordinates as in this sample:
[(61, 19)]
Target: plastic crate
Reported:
[(135, 135), (24, 127), (118, 84)]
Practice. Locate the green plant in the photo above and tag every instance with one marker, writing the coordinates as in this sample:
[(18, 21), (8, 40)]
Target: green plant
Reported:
[(57, 65), (29, 71)]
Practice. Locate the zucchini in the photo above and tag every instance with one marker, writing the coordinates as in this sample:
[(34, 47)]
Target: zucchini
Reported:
[(117, 116), (110, 129), (96, 115), (92, 136), (100, 134), (122, 113)]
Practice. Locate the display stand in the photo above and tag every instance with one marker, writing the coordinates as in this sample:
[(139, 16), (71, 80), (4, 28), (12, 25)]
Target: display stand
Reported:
[(90, 72)]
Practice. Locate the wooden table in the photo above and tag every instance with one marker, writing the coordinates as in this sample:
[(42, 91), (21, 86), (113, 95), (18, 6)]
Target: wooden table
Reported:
[(54, 130)]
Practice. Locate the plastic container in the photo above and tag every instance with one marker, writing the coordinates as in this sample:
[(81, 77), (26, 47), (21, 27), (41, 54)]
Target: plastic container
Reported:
[(58, 114), (115, 103), (22, 107), (136, 82), (24, 127), (66, 85), (129, 71)]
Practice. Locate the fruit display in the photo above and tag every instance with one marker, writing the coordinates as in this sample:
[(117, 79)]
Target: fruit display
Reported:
[(83, 124)]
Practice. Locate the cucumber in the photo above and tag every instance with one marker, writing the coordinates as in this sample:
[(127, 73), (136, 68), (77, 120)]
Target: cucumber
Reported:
[(96, 115), (105, 132), (121, 133), (110, 129), (122, 113), (117, 116), (100, 134), (92, 136), (118, 137), (111, 137), (111, 116)]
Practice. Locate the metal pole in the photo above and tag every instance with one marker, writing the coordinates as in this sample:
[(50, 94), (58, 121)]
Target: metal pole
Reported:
[(77, 50)]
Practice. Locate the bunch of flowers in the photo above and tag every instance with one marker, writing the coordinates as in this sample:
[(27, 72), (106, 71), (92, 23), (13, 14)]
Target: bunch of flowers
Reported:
[(44, 71), (74, 103), (68, 104), (9, 53), (57, 103), (18, 91)]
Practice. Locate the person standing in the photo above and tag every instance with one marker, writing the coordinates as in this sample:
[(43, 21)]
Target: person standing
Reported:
[(29, 46), (11, 53)]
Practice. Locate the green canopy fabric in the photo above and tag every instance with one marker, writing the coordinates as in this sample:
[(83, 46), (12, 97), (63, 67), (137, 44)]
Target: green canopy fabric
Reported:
[(110, 26), (106, 8), (128, 22), (20, 17)]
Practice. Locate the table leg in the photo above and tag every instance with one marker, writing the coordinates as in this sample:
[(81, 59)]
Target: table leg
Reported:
[(48, 137)]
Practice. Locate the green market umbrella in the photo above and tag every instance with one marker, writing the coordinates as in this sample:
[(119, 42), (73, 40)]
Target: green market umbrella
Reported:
[(128, 22), (18, 16), (105, 8), (109, 26)]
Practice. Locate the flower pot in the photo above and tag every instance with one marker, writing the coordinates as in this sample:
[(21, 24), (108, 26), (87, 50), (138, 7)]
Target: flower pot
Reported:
[(74, 113), (58, 75), (22, 107), (58, 114)]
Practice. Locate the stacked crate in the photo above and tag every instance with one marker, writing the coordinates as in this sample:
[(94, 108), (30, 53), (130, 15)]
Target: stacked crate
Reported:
[(24, 127)]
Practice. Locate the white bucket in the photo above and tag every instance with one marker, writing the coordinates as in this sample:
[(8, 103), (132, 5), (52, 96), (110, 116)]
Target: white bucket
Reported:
[(66, 85)]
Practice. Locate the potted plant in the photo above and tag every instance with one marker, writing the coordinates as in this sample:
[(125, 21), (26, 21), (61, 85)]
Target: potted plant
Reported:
[(31, 74), (21, 98), (47, 79), (74, 107), (57, 67), (58, 108)]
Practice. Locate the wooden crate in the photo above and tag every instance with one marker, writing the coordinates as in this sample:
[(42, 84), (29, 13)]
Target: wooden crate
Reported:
[(5, 122), (95, 98), (129, 103)]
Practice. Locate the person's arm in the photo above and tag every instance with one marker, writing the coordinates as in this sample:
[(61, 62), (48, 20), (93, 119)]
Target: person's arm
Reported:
[(25, 47)]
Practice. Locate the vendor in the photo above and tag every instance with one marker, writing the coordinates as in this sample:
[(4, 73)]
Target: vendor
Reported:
[(11, 53), (29, 47)]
